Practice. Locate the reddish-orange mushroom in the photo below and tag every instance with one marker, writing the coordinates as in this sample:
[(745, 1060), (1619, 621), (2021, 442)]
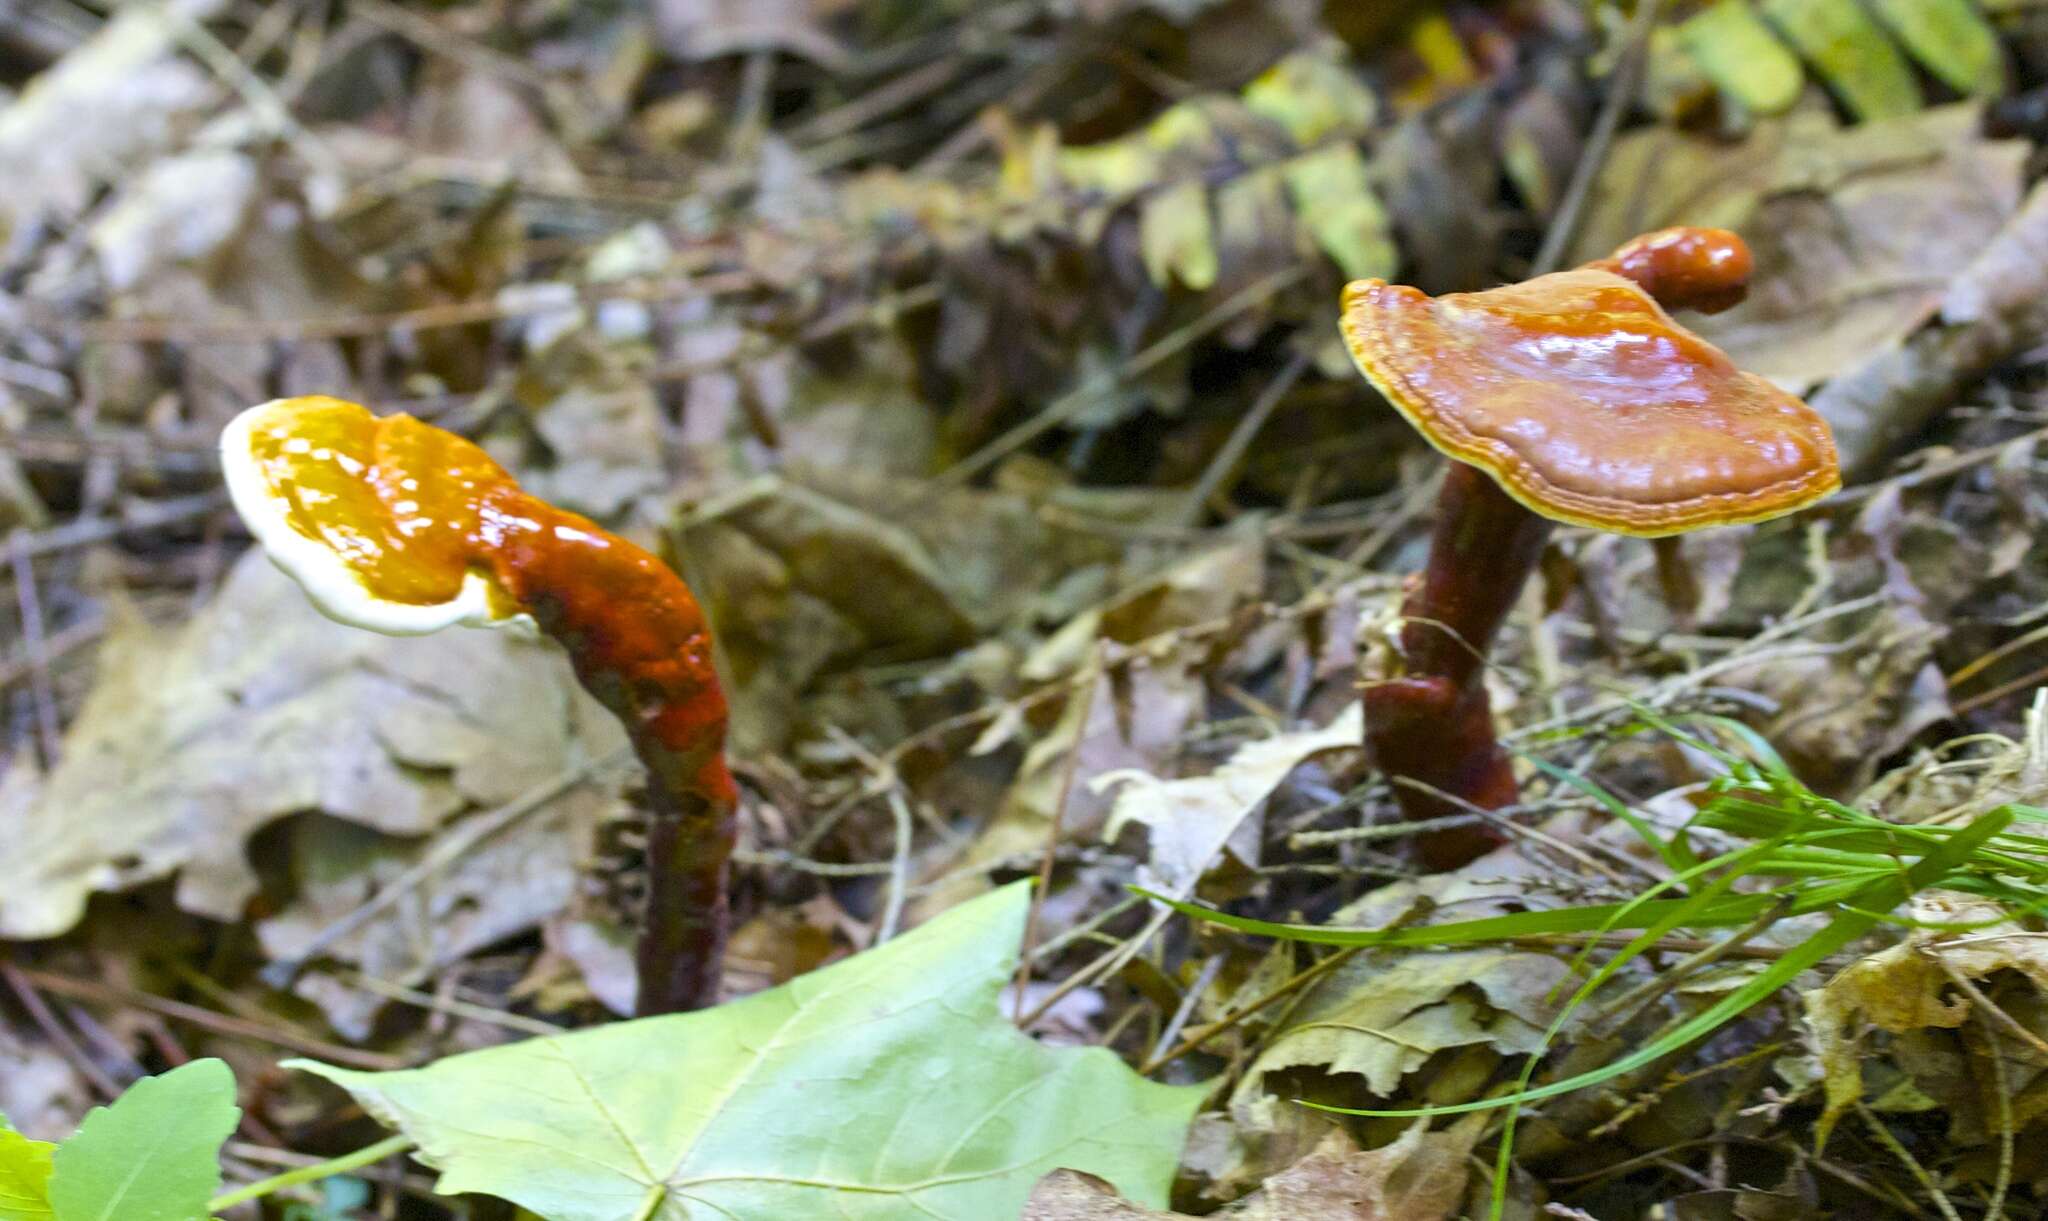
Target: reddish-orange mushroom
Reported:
[(1571, 397), (402, 528)]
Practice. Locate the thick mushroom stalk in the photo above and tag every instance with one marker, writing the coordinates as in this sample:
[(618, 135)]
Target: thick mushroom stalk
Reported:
[(402, 528), (1571, 397)]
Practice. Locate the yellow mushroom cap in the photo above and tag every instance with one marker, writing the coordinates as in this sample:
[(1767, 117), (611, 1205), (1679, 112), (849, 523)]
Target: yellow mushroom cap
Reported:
[(1589, 405), (373, 517)]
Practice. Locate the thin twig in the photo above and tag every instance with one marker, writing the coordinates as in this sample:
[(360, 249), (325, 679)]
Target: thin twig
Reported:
[(928, 78), (1072, 403), (1912, 1164), (24, 984), (430, 35), (457, 1008), (1209, 1031), (439, 316), (1186, 1009), (1232, 451), (1984, 1003), (1052, 844), (141, 515), (35, 647), (1053, 945), (899, 867), (1621, 92), (116, 994), (1995, 1210)]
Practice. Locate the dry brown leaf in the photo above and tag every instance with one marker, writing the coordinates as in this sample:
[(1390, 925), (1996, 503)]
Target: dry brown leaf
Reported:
[(1419, 1177), (1131, 715), (500, 888), (180, 209), (197, 737), (101, 109), (1192, 819), (1910, 987), (1992, 309), (1857, 230), (486, 121), (1382, 1017), (1839, 712)]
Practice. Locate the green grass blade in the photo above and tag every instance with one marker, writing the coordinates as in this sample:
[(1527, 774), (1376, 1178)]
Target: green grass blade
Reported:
[(1676, 854), (1883, 894), (1732, 911)]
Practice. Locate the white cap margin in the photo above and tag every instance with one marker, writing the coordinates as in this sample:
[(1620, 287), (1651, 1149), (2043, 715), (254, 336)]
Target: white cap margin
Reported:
[(334, 589)]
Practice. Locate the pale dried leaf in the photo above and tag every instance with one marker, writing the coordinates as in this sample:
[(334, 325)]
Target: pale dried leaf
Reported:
[(197, 737), (1419, 1177), (102, 108), (1192, 819)]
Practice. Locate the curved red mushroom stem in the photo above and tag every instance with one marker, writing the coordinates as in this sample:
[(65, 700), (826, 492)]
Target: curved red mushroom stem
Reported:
[(1434, 724), (640, 644), (400, 527), (1706, 270)]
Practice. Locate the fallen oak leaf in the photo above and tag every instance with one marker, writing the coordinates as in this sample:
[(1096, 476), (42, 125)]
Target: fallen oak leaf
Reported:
[(196, 738)]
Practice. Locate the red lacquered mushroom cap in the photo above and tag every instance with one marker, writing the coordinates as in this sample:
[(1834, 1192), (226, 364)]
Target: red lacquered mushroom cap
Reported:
[(1589, 405), (1686, 267)]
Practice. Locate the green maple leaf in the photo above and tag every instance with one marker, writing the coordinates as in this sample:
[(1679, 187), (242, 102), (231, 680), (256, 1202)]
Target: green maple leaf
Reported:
[(153, 1154), (889, 1085)]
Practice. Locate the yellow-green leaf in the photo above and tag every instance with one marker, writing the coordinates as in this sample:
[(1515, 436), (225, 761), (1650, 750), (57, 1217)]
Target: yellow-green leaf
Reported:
[(1116, 168), (1177, 238), (1951, 38), (1313, 95), (1851, 53), (1334, 197), (24, 1178), (1743, 58)]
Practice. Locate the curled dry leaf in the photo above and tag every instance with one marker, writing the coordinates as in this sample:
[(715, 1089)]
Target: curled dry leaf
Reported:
[(1127, 713), (102, 108), (1838, 711), (805, 582), (1911, 987), (1380, 1018), (1191, 820)]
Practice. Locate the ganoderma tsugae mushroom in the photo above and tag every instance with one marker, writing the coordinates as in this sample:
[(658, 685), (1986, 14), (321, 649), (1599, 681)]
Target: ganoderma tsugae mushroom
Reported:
[(397, 526), (1571, 397)]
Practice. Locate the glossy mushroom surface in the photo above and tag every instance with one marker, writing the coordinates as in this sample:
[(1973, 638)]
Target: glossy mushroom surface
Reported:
[(1703, 270), (400, 527), (1572, 397), (1589, 404)]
